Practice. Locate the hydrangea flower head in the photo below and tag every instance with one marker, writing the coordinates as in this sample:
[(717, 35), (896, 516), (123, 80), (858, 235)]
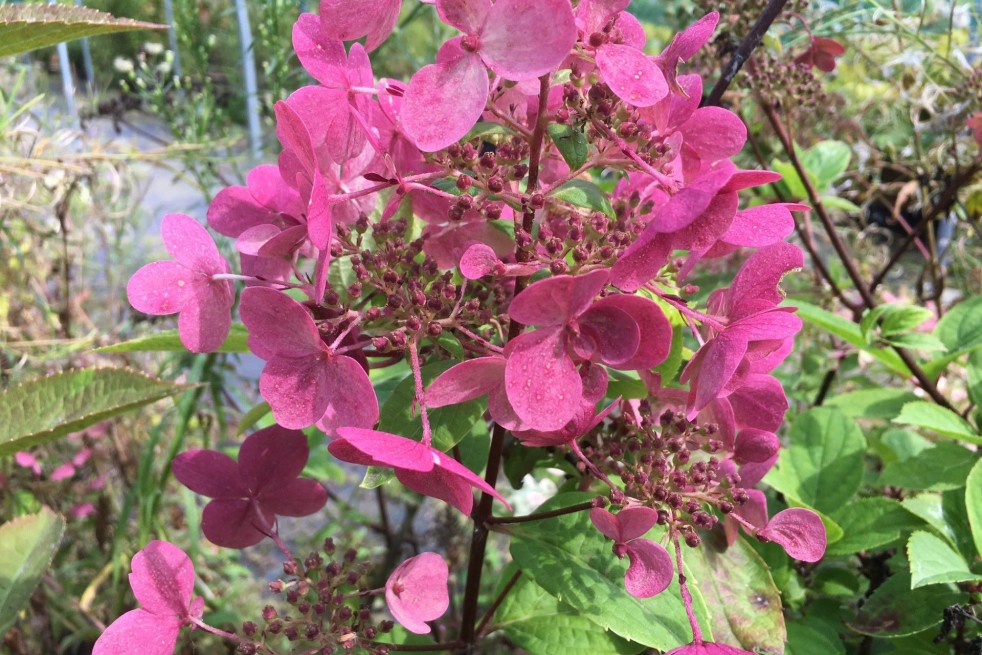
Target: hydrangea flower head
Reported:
[(651, 567)]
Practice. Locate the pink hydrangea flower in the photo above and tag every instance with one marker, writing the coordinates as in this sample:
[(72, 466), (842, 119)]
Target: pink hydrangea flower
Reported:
[(187, 285), (304, 380), (346, 20), (684, 46), (707, 648), (821, 54), (800, 532), (162, 579), (416, 592), (248, 494), (651, 568), (420, 467)]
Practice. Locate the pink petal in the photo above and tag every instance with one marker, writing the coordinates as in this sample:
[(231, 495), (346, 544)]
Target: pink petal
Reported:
[(556, 300), (320, 224), (799, 531), (205, 320), (295, 137), (324, 58), (541, 380), (514, 43), (631, 75), (444, 101), (234, 523), (632, 31), (688, 42), (297, 389), (715, 133), (234, 210), (468, 16), (753, 445), (352, 397), (278, 324), (592, 15), (708, 648), (162, 579), (272, 458), (691, 202), (607, 523), (347, 20), (716, 363), (62, 472), (635, 522), (209, 473), (449, 481), (299, 497), (759, 226), (747, 179), (754, 511), (760, 403), (373, 448), (758, 278), (160, 288), (751, 473), (650, 571), (466, 381), (270, 190), (479, 260), (417, 591), (139, 632), (641, 261), (656, 331), (190, 244), (607, 333)]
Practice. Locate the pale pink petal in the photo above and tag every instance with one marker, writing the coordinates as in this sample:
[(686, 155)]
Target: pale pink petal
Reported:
[(523, 39), (479, 260), (234, 210), (634, 522), (799, 531), (26, 460), (468, 16), (592, 15), (753, 445), (62, 472), (271, 458), (444, 101), (278, 324), (417, 591), (205, 320), (324, 58), (347, 20), (466, 381), (352, 397), (234, 523), (299, 497), (189, 243), (139, 632), (162, 579), (270, 190), (541, 380), (209, 473), (631, 75), (651, 569), (160, 288), (556, 300)]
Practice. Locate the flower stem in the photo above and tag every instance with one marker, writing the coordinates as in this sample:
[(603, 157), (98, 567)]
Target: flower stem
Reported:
[(538, 516), (686, 596), (418, 377)]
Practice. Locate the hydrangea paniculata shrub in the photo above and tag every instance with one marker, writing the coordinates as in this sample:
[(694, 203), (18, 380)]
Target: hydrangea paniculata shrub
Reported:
[(532, 206)]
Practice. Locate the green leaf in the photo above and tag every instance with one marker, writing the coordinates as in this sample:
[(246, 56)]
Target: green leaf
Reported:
[(32, 26), (27, 545), (541, 624), (826, 161), (848, 332), (869, 523), (51, 407), (571, 560), (582, 193), (836, 202), (737, 582), (974, 370), (252, 417), (941, 467), (938, 419), (376, 476), (882, 402), (804, 639), (948, 515), (823, 466), (572, 144), (916, 341), (933, 561), (448, 424), (170, 341), (486, 128), (895, 610), (961, 328), (973, 503), (899, 319), (790, 182)]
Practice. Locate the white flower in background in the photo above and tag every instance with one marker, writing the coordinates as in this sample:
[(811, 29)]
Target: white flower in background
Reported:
[(153, 48), (165, 67), (123, 65)]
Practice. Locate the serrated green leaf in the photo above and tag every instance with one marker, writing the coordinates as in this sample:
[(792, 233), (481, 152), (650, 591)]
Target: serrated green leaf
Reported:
[(916, 341), (582, 193), (924, 414), (974, 371), (826, 161), (448, 424), (848, 332), (51, 407), (933, 561), (32, 26), (544, 625), (939, 468), (823, 465), (904, 319), (973, 503), (894, 610), (571, 560), (870, 523), (804, 639), (572, 144), (882, 402), (961, 328), (870, 319), (27, 544), (737, 582), (170, 341)]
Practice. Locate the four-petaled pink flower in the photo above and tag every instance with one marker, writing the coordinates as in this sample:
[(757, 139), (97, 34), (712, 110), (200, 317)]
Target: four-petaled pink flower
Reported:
[(248, 494), (651, 566), (821, 54), (416, 592), (420, 467), (304, 380), (187, 285), (800, 532), (162, 579)]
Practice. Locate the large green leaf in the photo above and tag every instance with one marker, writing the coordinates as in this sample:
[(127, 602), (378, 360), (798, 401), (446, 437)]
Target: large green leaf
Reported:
[(870, 523), (882, 402), (572, 144), (823, 466), (849, 332), (826, 161), (805, 639), (961, 328), (170, 341), (571, 560), (941, 467), (27, 544), (737, 583), (32, 26), (938, 419), (542, 624), (59, 404), (934, 561), (894, 610), (973, 504)]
